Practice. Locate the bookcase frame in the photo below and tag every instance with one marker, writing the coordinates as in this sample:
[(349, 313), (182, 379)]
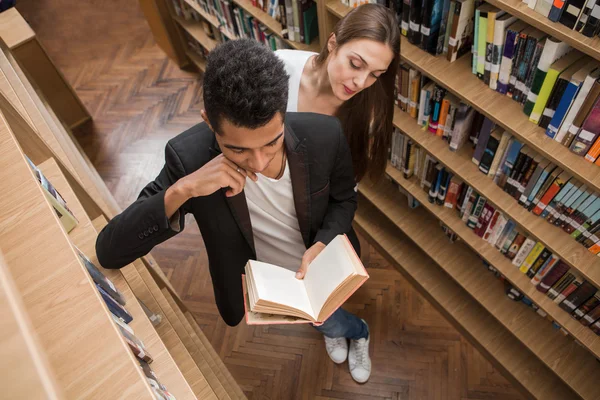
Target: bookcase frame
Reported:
[(381, 217), (61, 332)]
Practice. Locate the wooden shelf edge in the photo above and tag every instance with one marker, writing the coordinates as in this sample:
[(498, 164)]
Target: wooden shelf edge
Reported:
[(486, 334), (567, 359), (197, 32), (211, 19), (555, 239), (338, 9), (458, 79), (448, 216)]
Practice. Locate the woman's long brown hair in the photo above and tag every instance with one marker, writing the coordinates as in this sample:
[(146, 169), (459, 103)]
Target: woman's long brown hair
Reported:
[(376, 103)]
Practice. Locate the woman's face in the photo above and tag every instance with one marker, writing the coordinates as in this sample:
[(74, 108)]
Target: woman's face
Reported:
[(356, 65)]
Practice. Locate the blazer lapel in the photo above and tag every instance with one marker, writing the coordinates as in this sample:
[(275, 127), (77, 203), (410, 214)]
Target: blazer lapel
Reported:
[(298, 164), (238, 207)]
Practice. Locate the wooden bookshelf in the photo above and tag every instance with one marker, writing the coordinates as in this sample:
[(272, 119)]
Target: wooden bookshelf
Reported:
[(460, 164), (449, 217), (197, 32), (480, 327), (337, 8), (275, 26), (211, 19), (197, 60), (29, 375), (520, 10), (84, 237), (572, 363), (65, 309), (86, 354)]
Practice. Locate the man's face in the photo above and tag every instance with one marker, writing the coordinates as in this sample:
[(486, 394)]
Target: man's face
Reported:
[(251, 149)]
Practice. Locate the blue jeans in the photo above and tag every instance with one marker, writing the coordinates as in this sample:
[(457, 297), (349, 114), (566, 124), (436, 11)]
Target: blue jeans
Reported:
[(344, 324)]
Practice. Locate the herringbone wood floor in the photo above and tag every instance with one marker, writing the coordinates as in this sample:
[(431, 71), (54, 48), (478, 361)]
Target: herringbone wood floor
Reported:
[(139, 99)]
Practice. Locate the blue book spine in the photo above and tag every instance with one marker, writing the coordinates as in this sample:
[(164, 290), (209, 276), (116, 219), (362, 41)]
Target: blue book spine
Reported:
[(561, 111), (114, 307), (556, 12), (537, 186), (509, 52)]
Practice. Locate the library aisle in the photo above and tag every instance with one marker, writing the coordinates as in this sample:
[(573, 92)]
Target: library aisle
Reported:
[(139, 99)]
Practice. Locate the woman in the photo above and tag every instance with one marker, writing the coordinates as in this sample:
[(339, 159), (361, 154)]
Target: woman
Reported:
[(352, 78)]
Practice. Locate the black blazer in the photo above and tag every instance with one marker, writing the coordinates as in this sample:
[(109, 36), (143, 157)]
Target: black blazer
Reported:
[(324, 195)]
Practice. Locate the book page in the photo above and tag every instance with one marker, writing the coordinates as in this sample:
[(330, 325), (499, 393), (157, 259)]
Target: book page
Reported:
[(327, 271), (279, 285)]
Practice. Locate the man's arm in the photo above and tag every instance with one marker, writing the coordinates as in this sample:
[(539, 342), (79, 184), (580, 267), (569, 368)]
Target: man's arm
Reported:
[(147, 222), (342, 196)]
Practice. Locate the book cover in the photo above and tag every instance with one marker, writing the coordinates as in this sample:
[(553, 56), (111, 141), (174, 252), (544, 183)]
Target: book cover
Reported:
[(565, 204), (491, 226), (588, 208), (540, 261), (564, 191), (461, 36), (482, 140), (582, 114), (274, 290), (489, 153), (579, 296), (524, 90), (474, 46), (114, 307), (497, 48), (564, 292), (500, 156), (581, 95), (589, 131), (526, 248), (504, 169), (532, 182), (520, 50), (570, 210), (544, 269), (586, 307), (543, 188), (489, 42), (509, 227), (414, 22), (476, 213), (592, 23), (524, 179), (552, 276), (515, 246), (553, 50), (484, 219), (443, 26), (591, 317), (527, 63), (497, 229), (551, 192), (453, 190), (555, 70), (521, 165), (509, 51), (531, 256), (436, 108), (556, 10), (557, 92), (405, 17), (443, 191), (101, 280), (462, 121), (570, 16)]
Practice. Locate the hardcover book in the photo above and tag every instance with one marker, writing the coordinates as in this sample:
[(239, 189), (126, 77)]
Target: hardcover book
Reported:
[(273, 295)]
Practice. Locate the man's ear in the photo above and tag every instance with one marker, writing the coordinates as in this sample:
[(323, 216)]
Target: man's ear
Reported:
[(331, 43), (205, 118)]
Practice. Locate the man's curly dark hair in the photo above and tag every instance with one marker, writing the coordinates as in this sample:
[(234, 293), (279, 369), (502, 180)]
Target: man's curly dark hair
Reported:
[(245, 83)]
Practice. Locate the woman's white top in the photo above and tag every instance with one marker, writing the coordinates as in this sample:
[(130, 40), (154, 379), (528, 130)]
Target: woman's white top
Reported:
[(294, 61)]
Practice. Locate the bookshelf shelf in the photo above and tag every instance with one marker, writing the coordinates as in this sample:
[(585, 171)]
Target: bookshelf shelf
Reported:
[(197, 60), (197, 32), (275, 26), (460, 163), (457, 77), (337, 8), (65, 310), (84, 237), (448, 216), (211, 19), (19, 348), (573, 364), (483, 330), (519, 9)]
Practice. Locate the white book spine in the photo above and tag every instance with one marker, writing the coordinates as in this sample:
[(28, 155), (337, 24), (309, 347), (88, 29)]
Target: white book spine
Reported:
[(579, 99)]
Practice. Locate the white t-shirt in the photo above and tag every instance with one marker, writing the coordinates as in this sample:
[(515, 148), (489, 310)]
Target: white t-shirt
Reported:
[(294, 61), (277, 237)]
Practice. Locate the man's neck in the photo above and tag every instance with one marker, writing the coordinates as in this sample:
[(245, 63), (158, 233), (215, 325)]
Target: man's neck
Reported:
[(277, 166)]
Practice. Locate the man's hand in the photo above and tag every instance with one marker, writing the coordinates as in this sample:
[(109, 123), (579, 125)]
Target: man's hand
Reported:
[(214, 175), (217, 174), (308, 257)]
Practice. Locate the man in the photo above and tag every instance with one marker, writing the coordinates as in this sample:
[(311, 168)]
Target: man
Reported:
[(258, 189)]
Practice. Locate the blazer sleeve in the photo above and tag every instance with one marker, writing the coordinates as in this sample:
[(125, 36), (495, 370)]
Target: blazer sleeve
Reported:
[(342, 194), (144, 224)]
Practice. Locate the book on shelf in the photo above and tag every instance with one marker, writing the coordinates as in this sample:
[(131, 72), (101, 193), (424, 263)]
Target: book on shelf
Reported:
[(461, 36), (101, 280), (64, 214), (113, 306), (589, 132), (553, 50), (497, 49), (572, 13), (136, 345), (273, 295)]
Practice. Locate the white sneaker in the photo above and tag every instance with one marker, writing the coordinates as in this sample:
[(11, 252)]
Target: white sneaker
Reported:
[(337, 348), (359, 360)]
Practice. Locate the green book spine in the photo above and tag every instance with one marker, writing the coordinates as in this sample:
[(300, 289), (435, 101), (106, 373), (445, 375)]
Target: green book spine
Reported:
[(536, 86)]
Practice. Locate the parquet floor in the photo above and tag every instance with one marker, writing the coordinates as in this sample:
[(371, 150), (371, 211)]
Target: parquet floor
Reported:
[(139, 99)]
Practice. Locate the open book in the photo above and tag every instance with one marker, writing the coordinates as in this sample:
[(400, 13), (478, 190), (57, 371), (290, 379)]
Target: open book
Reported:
[(273, 295)]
